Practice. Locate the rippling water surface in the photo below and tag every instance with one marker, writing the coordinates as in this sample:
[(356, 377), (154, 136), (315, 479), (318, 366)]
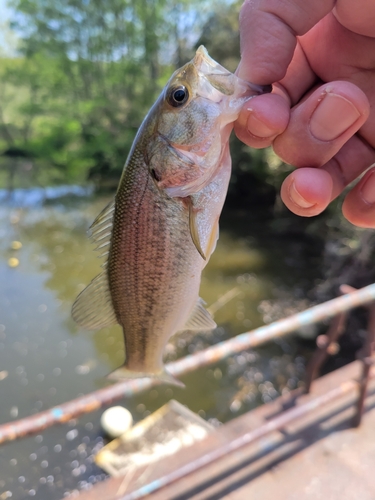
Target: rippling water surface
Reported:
[(45, 359)]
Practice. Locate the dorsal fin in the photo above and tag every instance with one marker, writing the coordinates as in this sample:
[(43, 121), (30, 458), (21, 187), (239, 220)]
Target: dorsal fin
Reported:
[(105, 215), (200, 319), (93, 307), (100, 231)]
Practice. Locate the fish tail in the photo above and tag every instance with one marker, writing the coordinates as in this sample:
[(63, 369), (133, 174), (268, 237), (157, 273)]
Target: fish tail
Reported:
[(164, 376), (168, 378)]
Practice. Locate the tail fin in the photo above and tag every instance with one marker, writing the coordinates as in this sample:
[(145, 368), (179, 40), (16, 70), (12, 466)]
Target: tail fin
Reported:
[(164, 376)]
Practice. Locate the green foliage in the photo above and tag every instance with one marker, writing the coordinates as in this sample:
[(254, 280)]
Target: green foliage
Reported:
[(88, 72), (86, 75), (220, 35)]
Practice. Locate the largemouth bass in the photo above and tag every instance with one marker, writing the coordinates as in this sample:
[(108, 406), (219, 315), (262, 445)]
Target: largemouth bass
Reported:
[(160, 230)]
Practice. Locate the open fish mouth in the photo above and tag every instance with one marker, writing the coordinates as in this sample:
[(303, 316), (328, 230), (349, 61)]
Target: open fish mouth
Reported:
[(220, 78)]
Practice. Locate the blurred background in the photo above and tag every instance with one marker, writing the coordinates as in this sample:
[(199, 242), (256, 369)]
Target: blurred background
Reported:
[(76, 80)]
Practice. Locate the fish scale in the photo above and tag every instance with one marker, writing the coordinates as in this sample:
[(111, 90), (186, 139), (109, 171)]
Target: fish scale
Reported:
[(144, 267), (162, 227)]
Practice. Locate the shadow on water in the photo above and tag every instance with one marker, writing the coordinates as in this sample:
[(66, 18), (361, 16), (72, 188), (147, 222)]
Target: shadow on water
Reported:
[(46, 260)]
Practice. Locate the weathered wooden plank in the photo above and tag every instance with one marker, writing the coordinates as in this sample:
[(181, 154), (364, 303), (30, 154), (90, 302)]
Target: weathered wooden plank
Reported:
[(246, 461)]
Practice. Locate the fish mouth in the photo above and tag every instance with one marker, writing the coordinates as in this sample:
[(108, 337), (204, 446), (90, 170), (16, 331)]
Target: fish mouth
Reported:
[(208, 66), (202, 57), (260, 89)]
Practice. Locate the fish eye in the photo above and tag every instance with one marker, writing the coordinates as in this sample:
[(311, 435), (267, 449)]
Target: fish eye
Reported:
[(177, 96)]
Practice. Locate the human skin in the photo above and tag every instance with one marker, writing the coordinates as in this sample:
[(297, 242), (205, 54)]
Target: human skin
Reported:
[(320, 116)]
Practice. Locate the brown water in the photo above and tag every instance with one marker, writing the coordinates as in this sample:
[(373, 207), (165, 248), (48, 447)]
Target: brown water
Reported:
[(45, 359)]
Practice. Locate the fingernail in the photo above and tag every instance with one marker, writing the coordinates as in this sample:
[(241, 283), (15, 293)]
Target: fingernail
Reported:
[(368, 189), (297, 199), (332, 117), (258, 128)]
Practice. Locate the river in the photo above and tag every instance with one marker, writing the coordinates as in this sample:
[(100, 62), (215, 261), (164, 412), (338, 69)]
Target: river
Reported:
[(45, 359)]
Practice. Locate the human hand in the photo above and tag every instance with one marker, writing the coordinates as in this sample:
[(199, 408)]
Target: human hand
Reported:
[(327, 128)]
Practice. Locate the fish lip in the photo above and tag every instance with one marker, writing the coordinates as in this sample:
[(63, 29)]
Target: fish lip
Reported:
[(260, 89), (202, 56), (205, 64), (210, 68)]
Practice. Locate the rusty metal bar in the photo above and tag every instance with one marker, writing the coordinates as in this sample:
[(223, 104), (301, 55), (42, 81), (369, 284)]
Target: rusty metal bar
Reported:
[(97, 399), (368, 361), (325, 347), (327, 344), (261, 433)]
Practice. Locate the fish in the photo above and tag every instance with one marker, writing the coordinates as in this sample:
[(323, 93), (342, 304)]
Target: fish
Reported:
[(160, 230)]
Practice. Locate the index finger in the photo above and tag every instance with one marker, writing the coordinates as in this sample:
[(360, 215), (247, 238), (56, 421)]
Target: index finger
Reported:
[(268, 31)]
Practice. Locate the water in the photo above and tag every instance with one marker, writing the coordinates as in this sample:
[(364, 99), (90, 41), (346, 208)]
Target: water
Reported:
[(45, 359)]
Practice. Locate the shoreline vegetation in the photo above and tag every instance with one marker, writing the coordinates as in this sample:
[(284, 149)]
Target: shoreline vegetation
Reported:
[(86, 73)]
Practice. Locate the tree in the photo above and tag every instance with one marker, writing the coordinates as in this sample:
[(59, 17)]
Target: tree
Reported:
[(88, 72)]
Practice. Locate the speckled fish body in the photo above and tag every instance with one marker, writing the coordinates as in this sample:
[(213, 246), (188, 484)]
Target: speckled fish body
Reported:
[(162, 227)]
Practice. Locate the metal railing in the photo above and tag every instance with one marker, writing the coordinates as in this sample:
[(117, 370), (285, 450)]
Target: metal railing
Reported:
[(330, 309)]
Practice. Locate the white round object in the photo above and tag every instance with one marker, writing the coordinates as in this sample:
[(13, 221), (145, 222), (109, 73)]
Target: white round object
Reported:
[(116, 420)]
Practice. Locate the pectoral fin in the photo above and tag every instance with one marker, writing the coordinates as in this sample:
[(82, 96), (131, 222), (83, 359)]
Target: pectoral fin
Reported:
[(214, 236), (193, 226)]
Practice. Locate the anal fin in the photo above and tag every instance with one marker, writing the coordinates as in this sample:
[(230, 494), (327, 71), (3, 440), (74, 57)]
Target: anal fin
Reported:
[(200, 319)]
